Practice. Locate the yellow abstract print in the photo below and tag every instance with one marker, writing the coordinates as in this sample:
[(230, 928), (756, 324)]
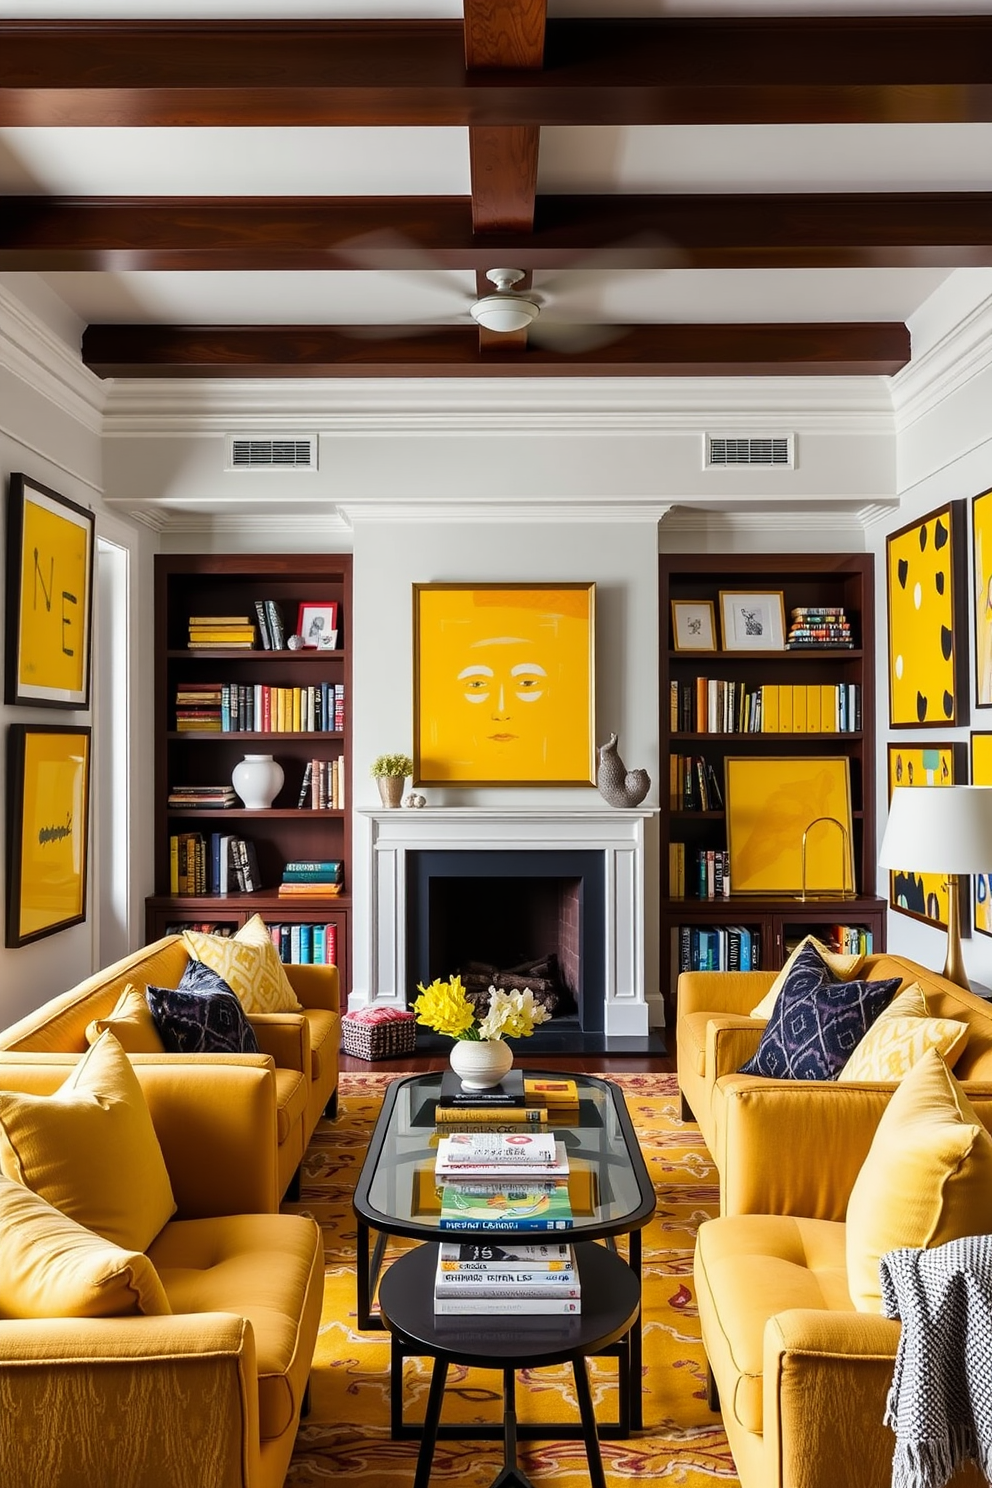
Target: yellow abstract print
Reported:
[(920, 571), (921, 895), (771, 804), (504, 684), (981, 774)]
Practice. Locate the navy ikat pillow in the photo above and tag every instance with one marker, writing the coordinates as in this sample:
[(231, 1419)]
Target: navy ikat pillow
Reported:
[(201, 1015), (817, 1021)]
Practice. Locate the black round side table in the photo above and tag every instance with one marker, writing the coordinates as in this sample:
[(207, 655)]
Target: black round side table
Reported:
[(611, 1298)]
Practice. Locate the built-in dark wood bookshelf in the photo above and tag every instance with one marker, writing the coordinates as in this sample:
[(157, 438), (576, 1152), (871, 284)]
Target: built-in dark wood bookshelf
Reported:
[(229, 584), (824, 579)]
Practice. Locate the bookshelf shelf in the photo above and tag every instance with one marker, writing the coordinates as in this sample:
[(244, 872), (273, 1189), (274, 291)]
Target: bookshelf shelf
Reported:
[(810, 580), (230, 584)]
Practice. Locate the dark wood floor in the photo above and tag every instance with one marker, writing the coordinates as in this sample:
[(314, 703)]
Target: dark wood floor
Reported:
[(606, 1064)]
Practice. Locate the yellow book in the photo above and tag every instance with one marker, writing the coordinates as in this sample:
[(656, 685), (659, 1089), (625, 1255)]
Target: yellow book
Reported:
[(813, 710), (828, 708), (785, 724), (769, 709), (174, 864), (297, 721), (280, 710), (799, 724)]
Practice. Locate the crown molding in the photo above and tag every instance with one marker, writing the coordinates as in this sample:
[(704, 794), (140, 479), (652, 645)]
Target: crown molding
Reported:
[(954, 360), (531, 511), (35, 354), (138, 408), (797, 527)]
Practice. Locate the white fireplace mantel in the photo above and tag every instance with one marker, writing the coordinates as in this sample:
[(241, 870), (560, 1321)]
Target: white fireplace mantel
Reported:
[(381, 955)]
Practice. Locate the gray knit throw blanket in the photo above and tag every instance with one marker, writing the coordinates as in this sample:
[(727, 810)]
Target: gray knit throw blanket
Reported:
[(940, 1403)]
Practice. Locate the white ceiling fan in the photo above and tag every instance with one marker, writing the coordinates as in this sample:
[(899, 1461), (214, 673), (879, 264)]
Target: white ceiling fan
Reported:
[(505, 311)]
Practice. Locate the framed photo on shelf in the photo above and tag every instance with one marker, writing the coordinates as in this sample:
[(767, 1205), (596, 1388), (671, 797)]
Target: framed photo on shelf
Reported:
[(981, 774), (694, 624), (789, 825), (48, 614), (981, 588), (923, 896), (752, 621), (927, 617), (503, 684), (48, 788), (318, 625)]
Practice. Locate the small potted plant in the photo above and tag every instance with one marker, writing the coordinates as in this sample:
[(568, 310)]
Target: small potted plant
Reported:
[(390, 771)]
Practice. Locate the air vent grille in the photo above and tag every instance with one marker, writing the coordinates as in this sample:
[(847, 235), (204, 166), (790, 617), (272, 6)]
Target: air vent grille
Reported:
[(264, 452), (765, 449)]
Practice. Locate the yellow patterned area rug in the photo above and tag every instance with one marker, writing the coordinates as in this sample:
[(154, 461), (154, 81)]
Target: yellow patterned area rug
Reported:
[(346, 1437)]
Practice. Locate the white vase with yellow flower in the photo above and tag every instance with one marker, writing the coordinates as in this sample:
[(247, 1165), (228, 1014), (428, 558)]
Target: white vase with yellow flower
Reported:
[(479, 1055)]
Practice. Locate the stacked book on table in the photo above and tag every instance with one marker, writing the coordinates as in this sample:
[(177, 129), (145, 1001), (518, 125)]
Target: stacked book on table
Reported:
[(519, 1100), (320, 878), (506, 1277), (221, 632), (503, 1181)]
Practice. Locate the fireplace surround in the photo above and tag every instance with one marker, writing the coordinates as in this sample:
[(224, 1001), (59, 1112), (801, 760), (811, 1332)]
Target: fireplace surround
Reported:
[(602, 848)]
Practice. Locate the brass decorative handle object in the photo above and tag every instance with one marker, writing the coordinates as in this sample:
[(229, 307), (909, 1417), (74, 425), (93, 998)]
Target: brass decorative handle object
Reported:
[(845, 892)]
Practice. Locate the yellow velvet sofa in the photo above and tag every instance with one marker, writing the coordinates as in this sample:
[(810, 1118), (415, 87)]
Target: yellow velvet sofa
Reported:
[(746, 1120), (801, 1378), (210, 1395), (303, 1046)]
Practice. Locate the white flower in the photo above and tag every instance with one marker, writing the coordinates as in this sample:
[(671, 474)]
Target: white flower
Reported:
[(512, 1015)]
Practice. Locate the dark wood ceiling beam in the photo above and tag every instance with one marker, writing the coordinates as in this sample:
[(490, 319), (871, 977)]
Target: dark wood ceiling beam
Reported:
[(881, 69), (901, 229), (504, 33), (453, 351)]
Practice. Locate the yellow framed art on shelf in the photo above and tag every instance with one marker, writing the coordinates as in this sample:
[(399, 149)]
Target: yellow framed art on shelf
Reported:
[(49, 607), (772, 803), (503, 684), (48, 782)]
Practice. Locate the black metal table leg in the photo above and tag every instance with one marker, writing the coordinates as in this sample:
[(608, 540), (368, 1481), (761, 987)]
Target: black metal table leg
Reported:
[(590, 1433), (431, 1418), (635, 1384)]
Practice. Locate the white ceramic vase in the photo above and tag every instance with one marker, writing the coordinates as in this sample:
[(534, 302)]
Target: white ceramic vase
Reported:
[(480, 1064), (258, 780)]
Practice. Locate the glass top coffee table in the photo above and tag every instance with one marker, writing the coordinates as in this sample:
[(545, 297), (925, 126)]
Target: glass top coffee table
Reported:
[(397, 1193)]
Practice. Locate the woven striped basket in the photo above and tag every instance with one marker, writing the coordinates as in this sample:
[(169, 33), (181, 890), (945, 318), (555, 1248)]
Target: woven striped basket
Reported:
[(385, 1040)]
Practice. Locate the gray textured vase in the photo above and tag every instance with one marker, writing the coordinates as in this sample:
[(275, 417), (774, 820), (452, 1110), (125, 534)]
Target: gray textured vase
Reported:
[(618, 785)]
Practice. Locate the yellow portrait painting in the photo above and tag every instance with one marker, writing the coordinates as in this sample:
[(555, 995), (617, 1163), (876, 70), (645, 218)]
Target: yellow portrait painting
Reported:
[(503, 684), (922, 570), (922, 896)]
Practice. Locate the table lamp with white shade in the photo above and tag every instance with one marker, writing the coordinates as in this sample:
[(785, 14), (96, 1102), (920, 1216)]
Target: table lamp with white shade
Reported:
[(944, 829)]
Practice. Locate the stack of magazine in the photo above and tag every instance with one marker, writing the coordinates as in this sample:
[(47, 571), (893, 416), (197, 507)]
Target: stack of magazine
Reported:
[(506, 1277), (493, 1180)]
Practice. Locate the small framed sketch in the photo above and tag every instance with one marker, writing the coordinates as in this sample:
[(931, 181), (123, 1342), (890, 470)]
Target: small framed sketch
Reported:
[(318, 625), (694, 624), (752, 621), (48, 789)]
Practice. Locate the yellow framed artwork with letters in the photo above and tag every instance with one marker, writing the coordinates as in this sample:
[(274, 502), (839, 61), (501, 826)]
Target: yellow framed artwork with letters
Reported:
[(503, 684), (48, 784), (49, 597)]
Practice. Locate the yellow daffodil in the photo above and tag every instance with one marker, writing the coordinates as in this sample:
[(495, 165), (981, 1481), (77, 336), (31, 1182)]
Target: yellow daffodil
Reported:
[(445, 1007)]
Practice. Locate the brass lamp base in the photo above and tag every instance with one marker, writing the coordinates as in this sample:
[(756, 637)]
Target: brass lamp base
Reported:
[(954, 965)]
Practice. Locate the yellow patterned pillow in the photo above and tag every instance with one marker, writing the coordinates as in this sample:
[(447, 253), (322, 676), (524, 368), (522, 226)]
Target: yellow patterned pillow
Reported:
[(843, 966), (249, 964), (900, 1036), (131, 1023), (52, 1267), (90, 1148)]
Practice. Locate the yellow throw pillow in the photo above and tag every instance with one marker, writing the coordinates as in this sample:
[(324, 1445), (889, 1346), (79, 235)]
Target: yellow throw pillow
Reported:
[(51, 1267), (900, 1036), (927, 1178), (842, 965), (249, 964), (131, 1023), (90, 1149)]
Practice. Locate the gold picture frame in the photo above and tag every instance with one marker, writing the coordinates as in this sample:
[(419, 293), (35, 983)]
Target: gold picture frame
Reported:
[(503, 684), (694, 625), (49, 609), (981, 774), (48, 780), (789, 825), (752, 620), (924, 564), (923, 896)]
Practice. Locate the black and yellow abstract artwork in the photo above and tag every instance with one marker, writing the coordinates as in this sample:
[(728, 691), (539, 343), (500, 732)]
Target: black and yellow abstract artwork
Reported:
[(923, 896), (923, 569)]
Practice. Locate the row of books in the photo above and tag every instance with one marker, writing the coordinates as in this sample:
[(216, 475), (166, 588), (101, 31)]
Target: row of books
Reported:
[(221, 632), (220, 863), (518, 1101), (703, 873), (819, 627), (849, 940), (323, 786), (243, 707), (309, 943), (321, 878), (712, 705), (719, 948), (476, 1278), (693, 784)]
